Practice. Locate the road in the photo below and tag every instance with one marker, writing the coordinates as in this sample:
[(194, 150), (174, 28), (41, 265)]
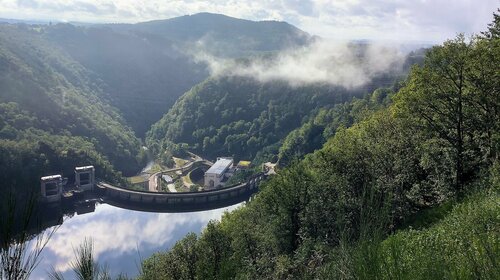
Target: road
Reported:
[(153, 183)]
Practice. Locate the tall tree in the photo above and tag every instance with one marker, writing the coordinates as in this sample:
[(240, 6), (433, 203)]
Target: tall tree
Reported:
[(435, 96), (453, 99), (484, 79), (214, 252), (493, 31)]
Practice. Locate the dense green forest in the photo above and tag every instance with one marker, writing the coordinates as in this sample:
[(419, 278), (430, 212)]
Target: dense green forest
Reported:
[(142, 73), (76, 95), (146, 66), (246, 118), (320, 126), (395, 179), (52, 116), (221, 35), (237, 116), (409, 191)]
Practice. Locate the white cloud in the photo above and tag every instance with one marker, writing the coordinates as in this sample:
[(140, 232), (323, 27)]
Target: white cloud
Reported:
[(429, 20), (432, 20), (324, 62)]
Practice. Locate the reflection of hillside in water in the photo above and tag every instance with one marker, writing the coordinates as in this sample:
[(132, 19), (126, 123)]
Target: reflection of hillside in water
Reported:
[(120, 236), (120, 221), (44, 216), (33, 219)]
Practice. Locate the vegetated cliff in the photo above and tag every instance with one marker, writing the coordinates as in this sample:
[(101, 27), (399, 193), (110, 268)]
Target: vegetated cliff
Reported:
[(52, 115)]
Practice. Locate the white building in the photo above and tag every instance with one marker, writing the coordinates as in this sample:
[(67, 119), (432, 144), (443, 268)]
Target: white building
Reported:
[(51, 188), (85, 177), (218, 173)]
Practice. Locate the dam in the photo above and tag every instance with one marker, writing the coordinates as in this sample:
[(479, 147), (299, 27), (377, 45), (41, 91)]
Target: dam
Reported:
[(93, 190)]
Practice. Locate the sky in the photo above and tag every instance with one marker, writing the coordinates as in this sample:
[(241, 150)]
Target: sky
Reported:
[(385, 20)]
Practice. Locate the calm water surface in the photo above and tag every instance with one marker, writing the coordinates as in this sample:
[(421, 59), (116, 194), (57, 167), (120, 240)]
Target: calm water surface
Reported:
[(121, 237)]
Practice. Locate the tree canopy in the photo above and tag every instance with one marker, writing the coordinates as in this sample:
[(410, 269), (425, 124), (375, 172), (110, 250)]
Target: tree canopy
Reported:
[(409, 190)]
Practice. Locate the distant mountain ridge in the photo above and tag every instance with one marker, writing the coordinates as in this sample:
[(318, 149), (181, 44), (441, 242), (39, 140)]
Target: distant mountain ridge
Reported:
[(223, 35), (70, 94), (146, 66)]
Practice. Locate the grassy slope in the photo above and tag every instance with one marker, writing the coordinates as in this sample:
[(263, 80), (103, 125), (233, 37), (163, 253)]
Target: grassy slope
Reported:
[(463, 244)]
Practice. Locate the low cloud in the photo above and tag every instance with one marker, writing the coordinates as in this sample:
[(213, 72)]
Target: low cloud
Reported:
[(341, 64)]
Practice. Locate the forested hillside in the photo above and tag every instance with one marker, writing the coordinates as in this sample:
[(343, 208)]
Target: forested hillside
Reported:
[(52, 117), (320, 126), (238, 116), (409, 191), (221, 35), (143, 73), (248, 118), (146, 66), (69, 94)]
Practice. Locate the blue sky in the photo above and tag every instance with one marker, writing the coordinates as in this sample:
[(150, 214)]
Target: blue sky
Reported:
[(399, 20)]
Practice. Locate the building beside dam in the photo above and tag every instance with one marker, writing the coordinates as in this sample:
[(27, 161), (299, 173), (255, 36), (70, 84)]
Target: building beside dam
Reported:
[(218, 173)]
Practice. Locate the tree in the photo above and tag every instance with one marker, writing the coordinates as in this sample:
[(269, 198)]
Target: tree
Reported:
[(484, 80), (436, 97), (214, 251), (179, 263), (493, 28)]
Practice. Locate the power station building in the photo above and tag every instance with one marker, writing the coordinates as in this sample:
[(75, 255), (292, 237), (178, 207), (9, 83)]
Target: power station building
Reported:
[(85, 177), (51, 188), (218, 173)]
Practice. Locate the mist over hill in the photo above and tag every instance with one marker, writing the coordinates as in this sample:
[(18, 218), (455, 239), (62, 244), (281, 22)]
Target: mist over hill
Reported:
[(372, 151), (249, 105), (147, 66), (136, 72), (71, 94)]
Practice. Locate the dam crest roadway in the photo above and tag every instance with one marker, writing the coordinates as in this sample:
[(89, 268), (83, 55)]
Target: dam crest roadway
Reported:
[(88, 191)]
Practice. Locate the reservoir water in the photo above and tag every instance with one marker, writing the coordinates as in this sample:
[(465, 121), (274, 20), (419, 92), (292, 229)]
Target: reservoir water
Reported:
[(121, 237)]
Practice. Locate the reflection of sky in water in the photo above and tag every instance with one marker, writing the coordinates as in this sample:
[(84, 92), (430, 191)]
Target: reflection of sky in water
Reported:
[(121, 237)]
